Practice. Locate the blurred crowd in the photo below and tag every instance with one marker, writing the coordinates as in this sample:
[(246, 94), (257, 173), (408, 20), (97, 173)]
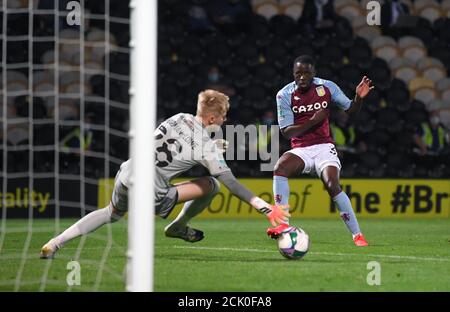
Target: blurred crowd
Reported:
[(245, 49)]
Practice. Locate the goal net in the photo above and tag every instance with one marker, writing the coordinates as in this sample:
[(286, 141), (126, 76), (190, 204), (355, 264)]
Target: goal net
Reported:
[(64, 125)]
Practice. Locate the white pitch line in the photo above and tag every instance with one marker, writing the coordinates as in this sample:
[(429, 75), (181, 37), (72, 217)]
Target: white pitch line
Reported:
[(386, 256), (68, 248), (8, 256), (317, 253)]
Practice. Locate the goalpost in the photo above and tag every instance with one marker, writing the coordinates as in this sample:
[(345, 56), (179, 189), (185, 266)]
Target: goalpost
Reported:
[(142, 123)]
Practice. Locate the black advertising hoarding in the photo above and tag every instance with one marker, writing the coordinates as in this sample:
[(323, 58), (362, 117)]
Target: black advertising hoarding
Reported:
[(19, 198)]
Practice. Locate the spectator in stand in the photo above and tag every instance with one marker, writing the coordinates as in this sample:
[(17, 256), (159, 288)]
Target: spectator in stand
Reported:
[(431, 137), (432, 140), (318, 14), (74, 139), (347, 141), (198, 19), (230, 16), (216, 82), (395, 16)]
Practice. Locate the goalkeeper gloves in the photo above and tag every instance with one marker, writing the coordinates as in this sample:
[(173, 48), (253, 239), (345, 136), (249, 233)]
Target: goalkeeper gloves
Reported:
[(276, 214), (221, 144), (279, 214)]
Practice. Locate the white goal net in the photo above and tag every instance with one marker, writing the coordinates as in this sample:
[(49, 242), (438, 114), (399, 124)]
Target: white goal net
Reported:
[(64, 132)]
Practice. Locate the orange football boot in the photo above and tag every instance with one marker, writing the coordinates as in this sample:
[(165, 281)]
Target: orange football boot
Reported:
[(360, 241), (275, 232)]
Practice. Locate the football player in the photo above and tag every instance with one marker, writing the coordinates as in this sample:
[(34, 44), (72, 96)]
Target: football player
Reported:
[(303, 110)]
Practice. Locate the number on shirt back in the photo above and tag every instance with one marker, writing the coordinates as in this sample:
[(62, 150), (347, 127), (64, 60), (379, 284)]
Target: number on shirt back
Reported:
[(166, 150)]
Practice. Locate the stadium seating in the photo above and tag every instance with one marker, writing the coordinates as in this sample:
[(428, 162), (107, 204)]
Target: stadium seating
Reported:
[(410, 69), (418, 57)]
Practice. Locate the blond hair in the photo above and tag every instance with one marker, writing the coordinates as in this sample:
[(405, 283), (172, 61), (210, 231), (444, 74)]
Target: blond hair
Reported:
[(212, 101)]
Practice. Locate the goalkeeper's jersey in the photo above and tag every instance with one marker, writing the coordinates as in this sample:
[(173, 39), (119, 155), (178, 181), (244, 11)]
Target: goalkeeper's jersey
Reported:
[(181, 142)]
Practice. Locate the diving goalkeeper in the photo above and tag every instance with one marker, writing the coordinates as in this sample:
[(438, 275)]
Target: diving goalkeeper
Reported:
[(182, 141)]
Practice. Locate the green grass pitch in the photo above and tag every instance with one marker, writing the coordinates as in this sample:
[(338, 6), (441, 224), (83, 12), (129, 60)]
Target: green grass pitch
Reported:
[(414, 255)]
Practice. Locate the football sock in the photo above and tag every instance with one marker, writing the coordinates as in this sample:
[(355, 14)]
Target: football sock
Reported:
[(193, 208), (281, 191), (87, 224), (346, 211)]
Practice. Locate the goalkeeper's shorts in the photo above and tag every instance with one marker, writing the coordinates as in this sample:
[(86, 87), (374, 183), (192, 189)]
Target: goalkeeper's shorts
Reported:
[(119, 197), (163, 207)]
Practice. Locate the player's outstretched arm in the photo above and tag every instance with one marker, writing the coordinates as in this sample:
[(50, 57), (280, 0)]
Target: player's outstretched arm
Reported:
[(275, 214), (362, 90), (298, 130)]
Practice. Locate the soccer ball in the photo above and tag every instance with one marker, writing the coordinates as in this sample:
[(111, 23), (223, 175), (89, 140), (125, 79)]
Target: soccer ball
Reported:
[(293, 243)]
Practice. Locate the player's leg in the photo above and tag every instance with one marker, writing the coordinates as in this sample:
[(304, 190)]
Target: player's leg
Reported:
[(85, 225), (90, 222), (197, 195), (330, 178), (288, 165)]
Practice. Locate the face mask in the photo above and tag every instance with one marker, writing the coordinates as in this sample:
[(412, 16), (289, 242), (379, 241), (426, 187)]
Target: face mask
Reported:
[(267, 121), (213, 77), (434, 120), (321, 2), (197, 13)]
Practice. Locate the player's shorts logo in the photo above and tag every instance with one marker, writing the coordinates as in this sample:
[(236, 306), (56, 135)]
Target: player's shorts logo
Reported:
[(320, 91)]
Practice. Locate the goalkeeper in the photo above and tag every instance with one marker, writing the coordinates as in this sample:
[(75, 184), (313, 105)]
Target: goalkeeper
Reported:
[(182, 141)]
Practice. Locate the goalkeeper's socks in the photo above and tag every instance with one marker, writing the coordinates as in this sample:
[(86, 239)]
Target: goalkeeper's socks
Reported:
[(281, 191), (87, 224), (193, 208), (346, 211)]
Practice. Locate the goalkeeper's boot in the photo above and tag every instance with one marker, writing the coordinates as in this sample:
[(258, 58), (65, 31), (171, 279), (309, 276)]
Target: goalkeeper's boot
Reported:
[(187, 233), (48, 250), (360, 241), (275, 232)]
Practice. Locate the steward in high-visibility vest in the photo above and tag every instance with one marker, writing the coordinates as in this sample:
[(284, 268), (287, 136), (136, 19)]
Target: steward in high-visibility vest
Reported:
[(343, 137), (75, 140), (433, 137)]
